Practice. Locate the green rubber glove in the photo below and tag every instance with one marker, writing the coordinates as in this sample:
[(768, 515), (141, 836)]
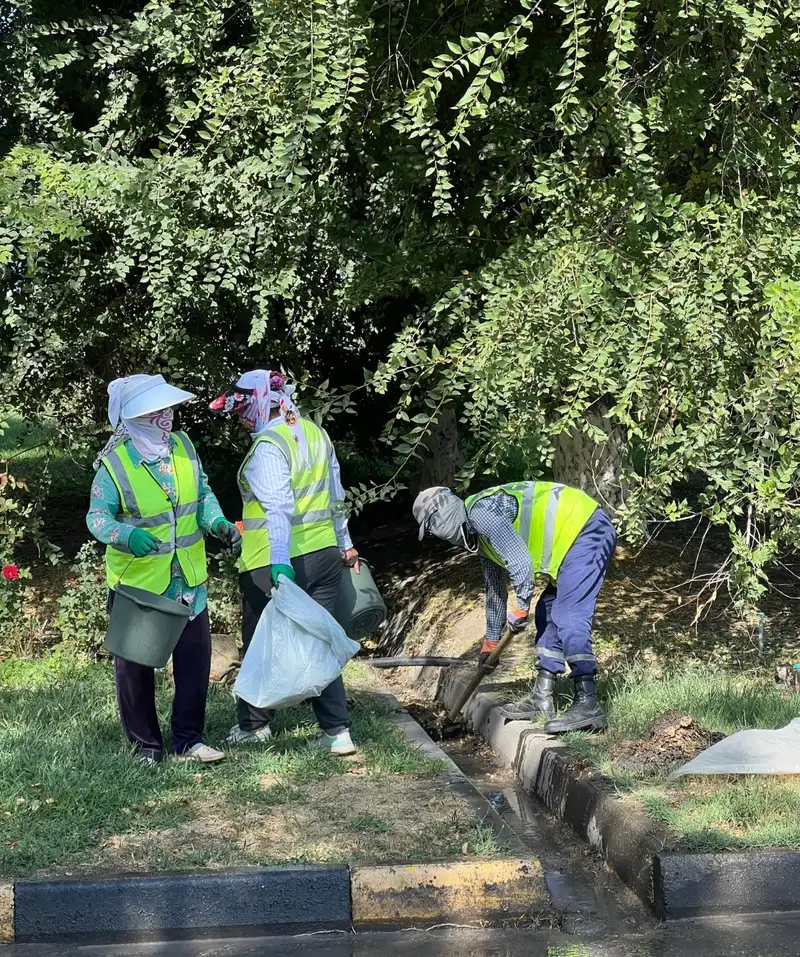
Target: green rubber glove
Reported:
[(229, 535), (277, 570), (141, 543)]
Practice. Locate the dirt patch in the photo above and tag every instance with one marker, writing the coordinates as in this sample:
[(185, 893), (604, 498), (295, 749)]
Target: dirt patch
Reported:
[(347, 819), (436, 611), (673, 739), (439, 610)]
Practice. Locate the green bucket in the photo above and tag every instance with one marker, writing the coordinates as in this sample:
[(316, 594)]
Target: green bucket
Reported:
[(359, 607), (144, 627)]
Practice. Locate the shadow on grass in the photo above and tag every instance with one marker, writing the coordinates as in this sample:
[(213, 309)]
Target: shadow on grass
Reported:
[(69, 783), (65, 778), (36, 452)]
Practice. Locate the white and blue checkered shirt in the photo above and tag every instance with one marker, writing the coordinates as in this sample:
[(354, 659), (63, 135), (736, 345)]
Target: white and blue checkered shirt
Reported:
[(492, 519)]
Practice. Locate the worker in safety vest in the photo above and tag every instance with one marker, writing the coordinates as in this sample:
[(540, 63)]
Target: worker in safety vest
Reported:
[(528, 528), (151, 505), (295, 526)]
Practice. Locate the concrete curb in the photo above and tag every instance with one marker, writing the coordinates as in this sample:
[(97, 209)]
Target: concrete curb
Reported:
[(171, 906), (6, 913), (286, 900), (418, 894), (700, 885), (672, 885)]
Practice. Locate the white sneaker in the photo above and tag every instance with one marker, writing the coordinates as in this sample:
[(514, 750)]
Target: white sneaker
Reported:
[(238, 736), (201, 754), (340, 744)]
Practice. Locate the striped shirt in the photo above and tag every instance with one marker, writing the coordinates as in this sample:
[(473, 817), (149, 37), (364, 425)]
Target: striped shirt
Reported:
[(269, 476), (492, 519)]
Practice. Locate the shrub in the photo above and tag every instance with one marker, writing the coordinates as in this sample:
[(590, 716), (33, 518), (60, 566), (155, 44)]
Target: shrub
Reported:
[(224, 608), (82, 606)]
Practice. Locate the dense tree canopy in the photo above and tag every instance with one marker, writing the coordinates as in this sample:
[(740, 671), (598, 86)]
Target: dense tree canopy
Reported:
[(561, 218)]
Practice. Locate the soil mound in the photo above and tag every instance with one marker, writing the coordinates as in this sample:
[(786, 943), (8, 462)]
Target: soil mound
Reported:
[(673, 739)]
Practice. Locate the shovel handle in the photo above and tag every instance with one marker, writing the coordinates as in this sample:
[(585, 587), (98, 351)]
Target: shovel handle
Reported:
[(469, 691), (421, 661), (480, 674)]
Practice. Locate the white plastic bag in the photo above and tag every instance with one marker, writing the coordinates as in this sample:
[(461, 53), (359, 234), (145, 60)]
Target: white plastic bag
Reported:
[(297, 650)]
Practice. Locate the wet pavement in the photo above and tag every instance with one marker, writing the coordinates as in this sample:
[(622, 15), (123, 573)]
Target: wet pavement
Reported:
[(763, 936), (589, 897)]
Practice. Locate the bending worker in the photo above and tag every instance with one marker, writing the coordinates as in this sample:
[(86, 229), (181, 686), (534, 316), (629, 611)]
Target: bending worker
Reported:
[(150, 504), (294, 526), (529, 528)]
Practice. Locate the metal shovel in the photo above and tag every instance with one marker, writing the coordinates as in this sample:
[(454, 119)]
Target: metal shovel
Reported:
[(493, 658)]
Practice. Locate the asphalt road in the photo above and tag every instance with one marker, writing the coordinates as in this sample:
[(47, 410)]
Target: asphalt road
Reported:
[(761, 936)]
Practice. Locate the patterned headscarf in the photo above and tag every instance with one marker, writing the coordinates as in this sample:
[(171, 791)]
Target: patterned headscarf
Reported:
[(254, 396)]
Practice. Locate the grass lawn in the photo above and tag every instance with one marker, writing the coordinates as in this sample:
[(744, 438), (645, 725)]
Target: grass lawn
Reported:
[(72, 799), (706, 813)]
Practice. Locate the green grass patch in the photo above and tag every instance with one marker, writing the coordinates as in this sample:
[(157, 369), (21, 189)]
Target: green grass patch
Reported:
[(705, 813), (73, 798)]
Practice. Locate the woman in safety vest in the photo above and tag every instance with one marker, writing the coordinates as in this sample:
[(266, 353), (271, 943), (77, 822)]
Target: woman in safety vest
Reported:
[(150, 505), (520, 530), (294, 526)]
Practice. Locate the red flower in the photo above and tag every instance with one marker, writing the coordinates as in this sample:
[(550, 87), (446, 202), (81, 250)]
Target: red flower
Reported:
[(10, 573)]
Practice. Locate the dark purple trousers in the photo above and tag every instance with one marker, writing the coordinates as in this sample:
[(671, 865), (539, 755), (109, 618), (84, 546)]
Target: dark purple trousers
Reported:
[(136, 694)]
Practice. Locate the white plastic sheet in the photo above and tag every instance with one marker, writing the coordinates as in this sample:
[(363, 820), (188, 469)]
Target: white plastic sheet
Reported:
[(297, 650), (750, 752)]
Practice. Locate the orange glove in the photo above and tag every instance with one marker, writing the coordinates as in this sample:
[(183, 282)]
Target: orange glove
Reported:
[(518, 620), (486, 649)]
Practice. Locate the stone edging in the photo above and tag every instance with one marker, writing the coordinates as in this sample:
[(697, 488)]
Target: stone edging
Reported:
[(673, 885), (287, 899)]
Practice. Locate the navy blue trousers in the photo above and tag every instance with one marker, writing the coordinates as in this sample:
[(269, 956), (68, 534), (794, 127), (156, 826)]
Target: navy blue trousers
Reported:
[(564, 613)]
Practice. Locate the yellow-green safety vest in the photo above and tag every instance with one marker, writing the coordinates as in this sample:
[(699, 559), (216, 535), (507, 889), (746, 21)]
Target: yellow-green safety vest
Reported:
[(549, 518), (312, 520), (146, 505)]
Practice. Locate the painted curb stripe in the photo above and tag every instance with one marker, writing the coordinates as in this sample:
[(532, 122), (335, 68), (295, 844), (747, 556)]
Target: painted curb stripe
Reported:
[(6, 913), (417, 894)]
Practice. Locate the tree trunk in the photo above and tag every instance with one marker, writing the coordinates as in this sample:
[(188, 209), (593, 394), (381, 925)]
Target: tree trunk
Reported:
[(442, 460), (599, 469)]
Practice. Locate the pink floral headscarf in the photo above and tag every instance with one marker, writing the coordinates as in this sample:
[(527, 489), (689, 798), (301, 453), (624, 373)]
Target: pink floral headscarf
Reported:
[(254, 396)]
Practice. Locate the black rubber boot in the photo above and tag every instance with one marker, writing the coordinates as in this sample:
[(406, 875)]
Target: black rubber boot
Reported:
[(584, 714), (538, 705)]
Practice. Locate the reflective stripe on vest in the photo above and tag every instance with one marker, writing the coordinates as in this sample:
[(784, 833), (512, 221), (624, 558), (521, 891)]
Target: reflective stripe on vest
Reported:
[(312, 521), (142, 501), (549, 518)]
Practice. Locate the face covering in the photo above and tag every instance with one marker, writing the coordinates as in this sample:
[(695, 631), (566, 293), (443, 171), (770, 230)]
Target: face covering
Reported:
[(270, 391), (150, 434), (140, 407), (449, 521)]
